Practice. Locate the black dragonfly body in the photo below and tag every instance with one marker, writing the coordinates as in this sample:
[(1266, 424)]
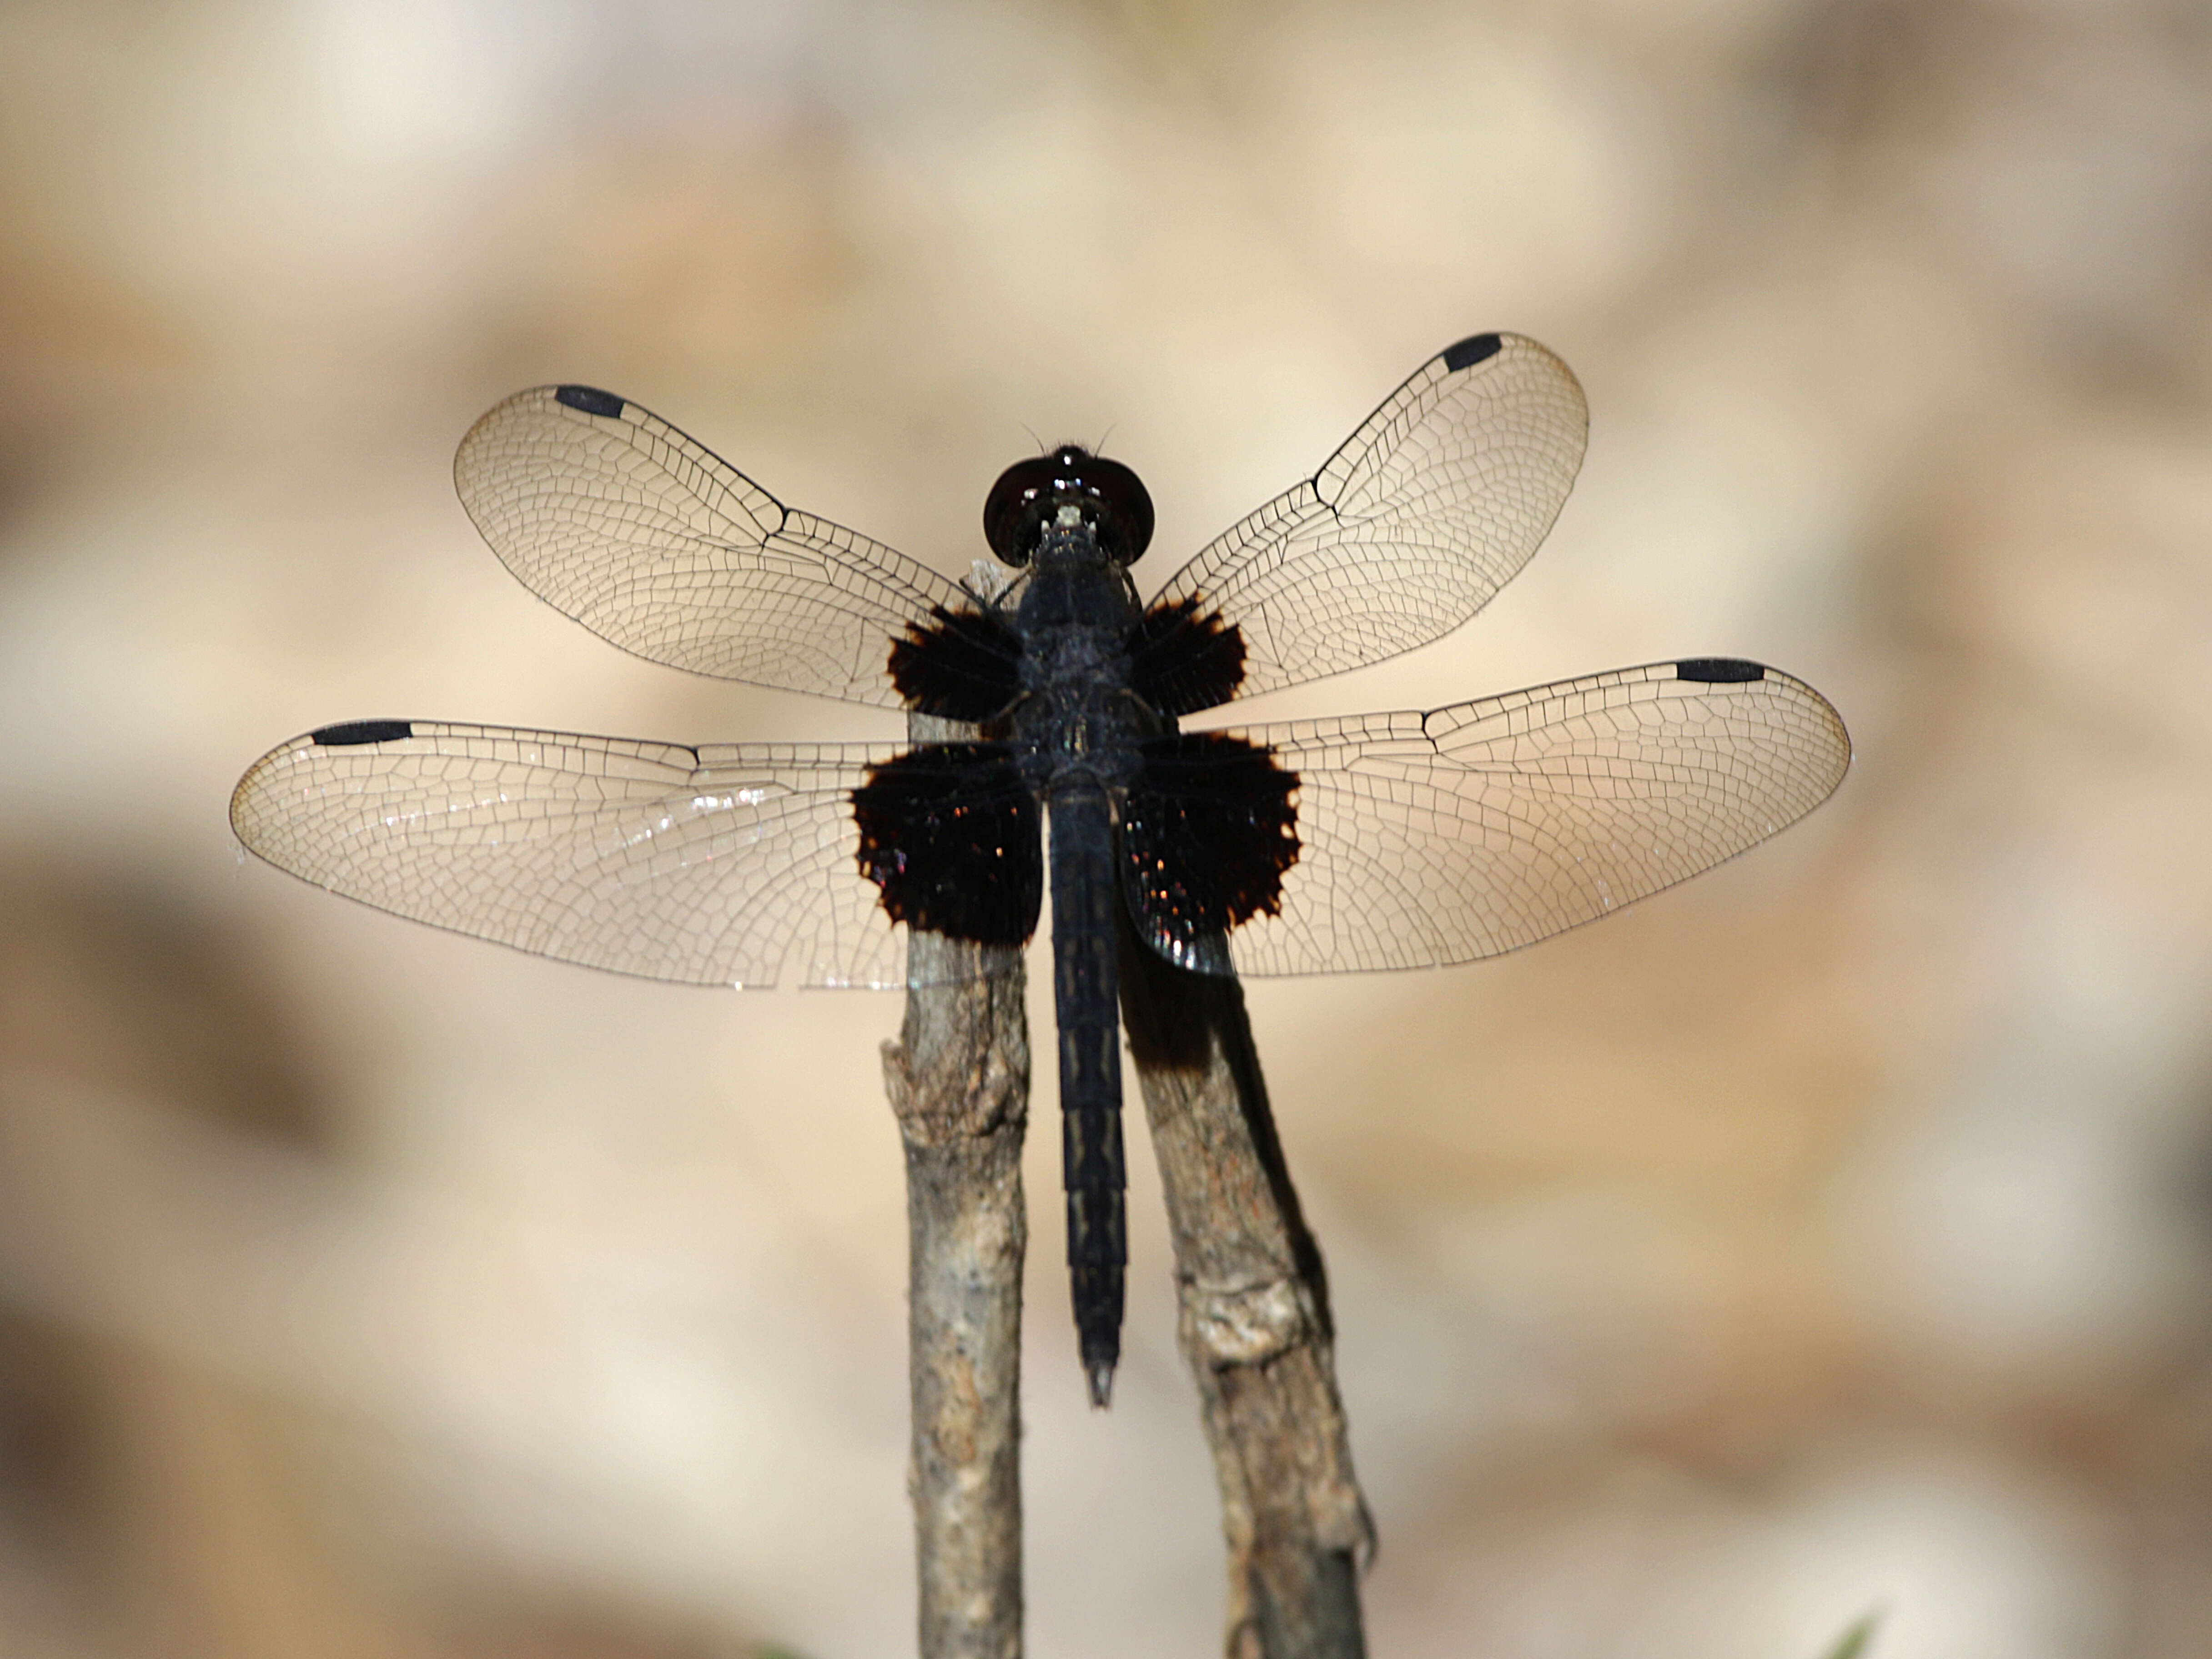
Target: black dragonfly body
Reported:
[(1359, 842)]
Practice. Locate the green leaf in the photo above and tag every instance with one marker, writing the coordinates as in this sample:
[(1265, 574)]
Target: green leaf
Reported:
[(1856, 1642)]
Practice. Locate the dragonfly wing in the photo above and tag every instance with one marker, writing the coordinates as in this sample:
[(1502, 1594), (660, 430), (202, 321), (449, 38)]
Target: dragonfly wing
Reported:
[(658, 545), (729, 864), (1426, 839), (1407, 531)]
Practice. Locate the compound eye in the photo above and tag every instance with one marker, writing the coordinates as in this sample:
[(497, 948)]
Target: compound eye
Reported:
[(1015, 511), (1125, 508), (1030, 495)]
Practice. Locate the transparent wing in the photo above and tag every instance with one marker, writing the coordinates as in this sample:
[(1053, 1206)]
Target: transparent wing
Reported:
[(1409, 529), (730, 864), (1472, 830), (611, 515)]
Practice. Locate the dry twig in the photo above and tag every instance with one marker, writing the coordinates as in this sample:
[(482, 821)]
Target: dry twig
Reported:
[(958, 1079), (1254, 1324)]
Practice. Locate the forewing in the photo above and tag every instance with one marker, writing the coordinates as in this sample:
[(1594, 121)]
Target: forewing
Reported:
[(731, 864), (611, 515), (1437, 838), (1409, 529)]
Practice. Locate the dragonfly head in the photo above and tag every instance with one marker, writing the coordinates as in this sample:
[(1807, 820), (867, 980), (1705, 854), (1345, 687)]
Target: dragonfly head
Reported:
[(1031, 495)]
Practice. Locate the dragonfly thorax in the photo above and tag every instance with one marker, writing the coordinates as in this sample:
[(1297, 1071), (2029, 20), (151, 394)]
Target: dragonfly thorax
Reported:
[(1077, 716)]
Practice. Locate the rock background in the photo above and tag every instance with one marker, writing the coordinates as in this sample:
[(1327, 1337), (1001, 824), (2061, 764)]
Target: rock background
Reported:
[(1832, 1233)]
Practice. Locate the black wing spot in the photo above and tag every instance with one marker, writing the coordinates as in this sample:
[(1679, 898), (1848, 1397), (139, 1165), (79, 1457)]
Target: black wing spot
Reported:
[(958, 665), (1471, 351), (950, 834), (1208, 831), (1181, 662), (1718, 670), (590, 400), (346, 733)]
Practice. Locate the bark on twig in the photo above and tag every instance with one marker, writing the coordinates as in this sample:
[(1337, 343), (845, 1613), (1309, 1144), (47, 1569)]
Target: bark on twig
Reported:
[(1254, 1324), (958, 1081)]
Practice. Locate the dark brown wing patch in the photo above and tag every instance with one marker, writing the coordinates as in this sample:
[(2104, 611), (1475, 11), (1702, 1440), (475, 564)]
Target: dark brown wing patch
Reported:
[(1208, 831), (1181, 659), (950, 835), (958, 665)]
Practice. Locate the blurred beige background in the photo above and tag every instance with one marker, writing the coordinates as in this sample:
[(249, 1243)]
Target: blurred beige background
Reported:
[(1832, 1233)]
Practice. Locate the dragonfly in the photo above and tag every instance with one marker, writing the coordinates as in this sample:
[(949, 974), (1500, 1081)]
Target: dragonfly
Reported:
[(1053, 699)]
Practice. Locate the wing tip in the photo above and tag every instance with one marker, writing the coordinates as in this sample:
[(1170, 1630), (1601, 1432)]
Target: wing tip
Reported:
[(589, 400), (1719, 671), (1465, 354), (349, 733)]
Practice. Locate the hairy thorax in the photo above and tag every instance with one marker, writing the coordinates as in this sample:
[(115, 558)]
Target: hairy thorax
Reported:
[(1079, 721)]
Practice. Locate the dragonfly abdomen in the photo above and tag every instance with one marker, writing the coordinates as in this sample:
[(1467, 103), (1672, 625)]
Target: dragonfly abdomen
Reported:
[(1085, 988)]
